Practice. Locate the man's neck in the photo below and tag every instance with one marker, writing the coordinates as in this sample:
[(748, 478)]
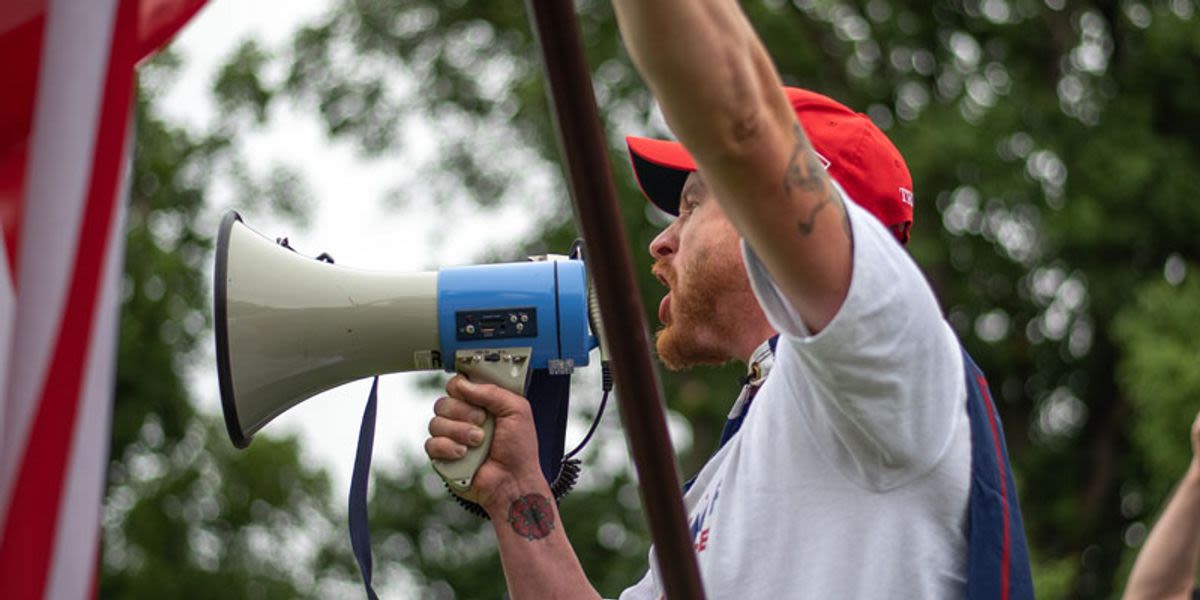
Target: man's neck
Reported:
[(748, 355)]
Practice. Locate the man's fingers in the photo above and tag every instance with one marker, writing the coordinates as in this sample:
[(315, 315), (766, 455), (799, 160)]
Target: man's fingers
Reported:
[(458, 431), (440, 448), (459, 410), (491, 398)]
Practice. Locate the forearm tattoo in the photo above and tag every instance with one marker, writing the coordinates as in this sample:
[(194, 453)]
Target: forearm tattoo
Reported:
[(806, 174), (531, 516)]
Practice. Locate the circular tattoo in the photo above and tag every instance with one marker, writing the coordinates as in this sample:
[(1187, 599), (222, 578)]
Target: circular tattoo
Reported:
[(532, 516)]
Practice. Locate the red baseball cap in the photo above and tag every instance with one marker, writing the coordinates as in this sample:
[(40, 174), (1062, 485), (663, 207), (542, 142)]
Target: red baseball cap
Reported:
[(854, 151)]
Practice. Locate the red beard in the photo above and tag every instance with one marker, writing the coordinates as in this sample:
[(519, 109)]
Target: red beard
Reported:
[(701, 316)]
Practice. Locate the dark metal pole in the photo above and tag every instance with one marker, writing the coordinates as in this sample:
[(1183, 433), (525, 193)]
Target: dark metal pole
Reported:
[(581, 141)]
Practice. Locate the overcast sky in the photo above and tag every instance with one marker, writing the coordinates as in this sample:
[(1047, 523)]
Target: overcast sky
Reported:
[(352, 223), (349, 221)]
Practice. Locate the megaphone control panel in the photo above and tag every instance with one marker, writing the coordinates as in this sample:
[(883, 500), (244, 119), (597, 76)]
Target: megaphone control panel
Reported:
[(496, 324)]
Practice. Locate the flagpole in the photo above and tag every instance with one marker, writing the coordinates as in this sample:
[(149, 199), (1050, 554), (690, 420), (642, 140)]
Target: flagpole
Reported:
[(581, 141)]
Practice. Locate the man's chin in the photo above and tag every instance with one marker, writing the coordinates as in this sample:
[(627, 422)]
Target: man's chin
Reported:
[(678, 352)]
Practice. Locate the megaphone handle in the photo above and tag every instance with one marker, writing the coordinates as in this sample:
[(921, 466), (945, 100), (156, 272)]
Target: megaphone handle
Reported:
[(505, 367)]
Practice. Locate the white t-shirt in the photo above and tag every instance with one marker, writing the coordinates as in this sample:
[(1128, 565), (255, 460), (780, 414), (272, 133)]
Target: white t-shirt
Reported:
[(850, 475)]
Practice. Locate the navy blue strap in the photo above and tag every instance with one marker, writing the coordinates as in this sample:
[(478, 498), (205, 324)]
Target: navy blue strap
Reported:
[(734, 424), (997, 555), (549, 397), (360, 536)]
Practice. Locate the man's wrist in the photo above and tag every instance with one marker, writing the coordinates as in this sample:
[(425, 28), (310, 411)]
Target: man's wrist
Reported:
[(500, 502), (525, 507)]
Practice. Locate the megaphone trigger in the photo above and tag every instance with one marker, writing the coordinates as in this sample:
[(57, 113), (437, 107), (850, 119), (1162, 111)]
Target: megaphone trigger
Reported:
[(505, 367)]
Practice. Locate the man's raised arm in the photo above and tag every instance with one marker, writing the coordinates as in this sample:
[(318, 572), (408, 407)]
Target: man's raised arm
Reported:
[(722, 96), (1166, 565)]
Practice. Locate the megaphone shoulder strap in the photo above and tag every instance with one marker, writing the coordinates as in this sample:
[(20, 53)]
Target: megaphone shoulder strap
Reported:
[(360, 535)]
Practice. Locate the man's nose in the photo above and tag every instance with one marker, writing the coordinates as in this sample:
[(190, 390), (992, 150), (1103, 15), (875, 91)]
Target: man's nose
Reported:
[(664, 243)]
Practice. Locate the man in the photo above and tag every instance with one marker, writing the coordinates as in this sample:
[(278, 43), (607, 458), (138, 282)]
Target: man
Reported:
[(1166, 565), (852, 472)]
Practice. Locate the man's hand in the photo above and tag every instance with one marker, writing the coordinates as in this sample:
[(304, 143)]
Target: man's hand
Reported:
[(512, 468), (537, 557)]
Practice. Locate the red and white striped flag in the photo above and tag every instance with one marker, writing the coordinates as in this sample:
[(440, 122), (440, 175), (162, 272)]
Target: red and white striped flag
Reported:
[(64, 159)]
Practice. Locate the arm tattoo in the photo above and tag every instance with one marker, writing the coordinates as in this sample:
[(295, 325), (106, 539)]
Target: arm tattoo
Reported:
[(531, 516), (806, 174)]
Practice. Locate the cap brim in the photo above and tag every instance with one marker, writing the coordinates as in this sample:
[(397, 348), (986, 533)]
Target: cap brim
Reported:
[(661, 168)]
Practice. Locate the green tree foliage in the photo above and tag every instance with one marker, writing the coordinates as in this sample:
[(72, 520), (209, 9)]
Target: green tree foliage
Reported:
[(1161, 334), (1052, 145), (184, 516)]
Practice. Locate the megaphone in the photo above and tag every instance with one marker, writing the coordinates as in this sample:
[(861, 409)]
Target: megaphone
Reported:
[(289, 327)]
